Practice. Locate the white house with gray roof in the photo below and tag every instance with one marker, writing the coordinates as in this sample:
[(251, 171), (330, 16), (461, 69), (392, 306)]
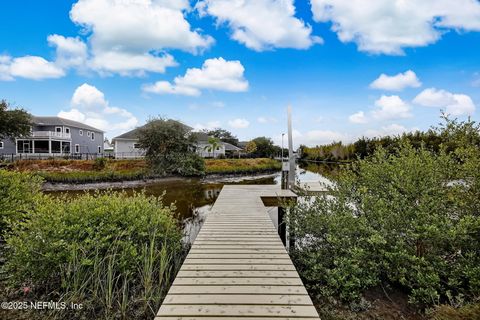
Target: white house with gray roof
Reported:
[(126, 145), (55, 136)]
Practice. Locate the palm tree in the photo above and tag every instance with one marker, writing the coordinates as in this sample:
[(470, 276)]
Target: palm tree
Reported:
[(213, 144)]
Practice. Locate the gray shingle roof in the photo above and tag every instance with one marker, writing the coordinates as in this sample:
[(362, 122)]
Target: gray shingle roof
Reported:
[(201, 136), (231, 147), (57, 121), (132, 134)]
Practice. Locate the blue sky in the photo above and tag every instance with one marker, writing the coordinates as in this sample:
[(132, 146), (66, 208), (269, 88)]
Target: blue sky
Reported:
[(237, 64)]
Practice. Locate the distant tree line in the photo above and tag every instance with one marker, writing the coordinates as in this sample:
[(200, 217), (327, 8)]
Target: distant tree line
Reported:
[(431, 139)]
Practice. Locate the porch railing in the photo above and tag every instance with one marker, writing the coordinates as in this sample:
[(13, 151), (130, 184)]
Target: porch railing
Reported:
[(50, 134)]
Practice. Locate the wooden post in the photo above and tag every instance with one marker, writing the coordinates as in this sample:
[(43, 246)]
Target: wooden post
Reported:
[(291, 157)]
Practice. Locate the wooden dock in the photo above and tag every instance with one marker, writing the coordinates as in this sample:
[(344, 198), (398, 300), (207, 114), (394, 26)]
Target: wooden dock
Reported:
[(238, 267)]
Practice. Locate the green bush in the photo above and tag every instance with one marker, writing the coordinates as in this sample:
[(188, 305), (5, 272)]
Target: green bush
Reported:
[(409, 219), (170, 148), (18, 195), (188, 164), (114, 254), (99, 164)]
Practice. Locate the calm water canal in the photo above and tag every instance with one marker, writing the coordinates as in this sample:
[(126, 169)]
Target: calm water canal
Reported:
[(194, 197)]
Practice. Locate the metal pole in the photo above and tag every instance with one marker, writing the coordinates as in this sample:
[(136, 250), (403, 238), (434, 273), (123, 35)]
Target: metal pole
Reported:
[(282, 149), (291, 157)]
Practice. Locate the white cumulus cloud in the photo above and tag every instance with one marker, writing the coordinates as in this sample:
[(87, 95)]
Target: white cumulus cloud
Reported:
[(28, 67), (261, 24), (265, 120), (358, 118), (391, 107), (239, 123), (70, 52), (130, 37), (215, 74), (88, 105), (207, 126), (389, 26), (452, 103), (389, 130), (398, 82)]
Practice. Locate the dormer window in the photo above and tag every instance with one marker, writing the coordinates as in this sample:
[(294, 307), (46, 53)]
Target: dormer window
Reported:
[(88, 133), (93, 136), (67, 131)]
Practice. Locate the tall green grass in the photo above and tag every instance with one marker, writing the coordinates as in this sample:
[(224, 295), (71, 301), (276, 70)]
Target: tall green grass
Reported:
[(115, 255), (244, 166), (94, 176)]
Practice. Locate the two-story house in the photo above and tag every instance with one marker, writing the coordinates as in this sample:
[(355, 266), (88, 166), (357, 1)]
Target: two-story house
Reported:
[(50, 136)]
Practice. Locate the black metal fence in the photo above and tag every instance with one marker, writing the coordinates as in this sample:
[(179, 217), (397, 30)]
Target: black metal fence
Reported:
[(71, 156)]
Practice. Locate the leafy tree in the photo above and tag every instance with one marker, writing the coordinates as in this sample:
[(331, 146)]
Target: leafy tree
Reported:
[(223, 135), (213, 144), (170, 148), (13, 122), (251, 147), (265, 147), (406, 217)]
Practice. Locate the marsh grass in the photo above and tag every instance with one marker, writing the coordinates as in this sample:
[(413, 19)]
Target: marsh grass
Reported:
[(105, 170), (114, 255), (233, 166)]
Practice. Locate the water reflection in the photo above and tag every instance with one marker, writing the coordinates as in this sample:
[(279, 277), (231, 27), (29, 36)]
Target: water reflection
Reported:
[(193, 198)]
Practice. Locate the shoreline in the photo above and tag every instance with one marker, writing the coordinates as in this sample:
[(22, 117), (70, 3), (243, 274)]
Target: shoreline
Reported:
[(211, 178)]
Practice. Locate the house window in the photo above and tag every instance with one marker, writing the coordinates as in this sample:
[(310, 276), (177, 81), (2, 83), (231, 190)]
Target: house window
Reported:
[(67, 131), (88, 133), (99, 149), (93, 136), (1, 144), (136, 146), (218, 148), (77, 148), (58, 131), (80, 132)]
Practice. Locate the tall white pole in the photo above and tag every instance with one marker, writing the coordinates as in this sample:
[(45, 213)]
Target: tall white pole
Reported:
[(291, 157)]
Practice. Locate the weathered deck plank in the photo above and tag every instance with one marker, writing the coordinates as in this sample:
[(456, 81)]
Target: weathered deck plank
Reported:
[(238, 267)]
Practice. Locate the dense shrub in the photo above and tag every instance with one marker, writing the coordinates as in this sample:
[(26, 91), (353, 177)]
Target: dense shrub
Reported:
[(18, 195), (99, 163), (184, 164), (170, 148), (409, 219), (114, 254)]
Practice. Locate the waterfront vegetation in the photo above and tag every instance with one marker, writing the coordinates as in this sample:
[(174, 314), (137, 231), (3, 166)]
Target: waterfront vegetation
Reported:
[(403, 220), (433, 140), (170, 148), (116, 255), (241, 166), (84, 171)]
